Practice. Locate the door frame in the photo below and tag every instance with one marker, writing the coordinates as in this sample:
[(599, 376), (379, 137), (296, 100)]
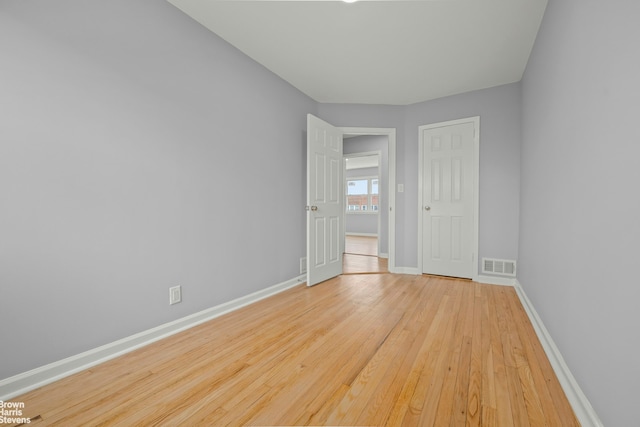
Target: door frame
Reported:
[(391, 179), (475, 120)]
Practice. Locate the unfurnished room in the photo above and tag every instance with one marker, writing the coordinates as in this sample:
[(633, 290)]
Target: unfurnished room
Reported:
[(417, 213)]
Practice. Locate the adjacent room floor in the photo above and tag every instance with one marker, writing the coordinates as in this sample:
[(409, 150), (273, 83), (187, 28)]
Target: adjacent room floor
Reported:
[(361, 256)]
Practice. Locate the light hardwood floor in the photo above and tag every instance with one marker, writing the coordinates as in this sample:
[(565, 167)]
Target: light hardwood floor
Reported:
[(378, 350)]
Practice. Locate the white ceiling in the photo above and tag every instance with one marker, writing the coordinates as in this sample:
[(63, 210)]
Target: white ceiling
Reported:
[(379, 52)]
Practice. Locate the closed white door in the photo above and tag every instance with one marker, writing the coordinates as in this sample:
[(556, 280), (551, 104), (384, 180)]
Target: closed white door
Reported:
[(448, 173), (325, 201)]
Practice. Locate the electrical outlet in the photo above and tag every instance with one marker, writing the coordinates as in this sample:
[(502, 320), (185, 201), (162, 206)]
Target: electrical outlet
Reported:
[(175, 295), (303, 265)]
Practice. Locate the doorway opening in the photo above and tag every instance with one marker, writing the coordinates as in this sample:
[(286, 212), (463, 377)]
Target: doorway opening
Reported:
[(369, 217), (361, 257), (326, 201), (365, 251)]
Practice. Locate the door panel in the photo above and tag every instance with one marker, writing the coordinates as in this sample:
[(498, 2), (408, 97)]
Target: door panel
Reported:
[(334, 244), (319, 259), (325, 201), (448, 199)]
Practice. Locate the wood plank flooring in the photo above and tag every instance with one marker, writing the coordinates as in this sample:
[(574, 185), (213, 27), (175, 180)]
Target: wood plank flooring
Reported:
[(377, 350)]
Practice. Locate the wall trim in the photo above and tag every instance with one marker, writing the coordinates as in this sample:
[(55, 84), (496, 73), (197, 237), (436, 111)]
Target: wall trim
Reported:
[(38, 377), (405, 270), (487, 280), (493, 280), (579, 402), (349, 233)]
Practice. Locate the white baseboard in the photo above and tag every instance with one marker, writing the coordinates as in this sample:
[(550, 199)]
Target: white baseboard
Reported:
[(38, 377), (406, 270), (489, 280), (383, 255), (493, 280), (579, 402), (361, 234)]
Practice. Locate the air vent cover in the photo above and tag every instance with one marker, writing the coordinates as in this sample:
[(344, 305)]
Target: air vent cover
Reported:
[(503, 267)]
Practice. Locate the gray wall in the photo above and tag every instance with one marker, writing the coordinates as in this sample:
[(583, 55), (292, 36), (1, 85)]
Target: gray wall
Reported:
[(499, 111), (125, 130), (579, 227)]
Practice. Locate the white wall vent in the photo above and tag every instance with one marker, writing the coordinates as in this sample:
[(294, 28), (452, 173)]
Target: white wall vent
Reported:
[(503, 267)]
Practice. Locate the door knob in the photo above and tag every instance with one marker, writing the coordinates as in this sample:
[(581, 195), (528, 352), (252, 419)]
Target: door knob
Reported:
[(314, 208), (427, 208)]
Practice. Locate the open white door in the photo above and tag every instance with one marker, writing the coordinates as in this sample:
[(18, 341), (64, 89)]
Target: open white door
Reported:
[(325, 200)]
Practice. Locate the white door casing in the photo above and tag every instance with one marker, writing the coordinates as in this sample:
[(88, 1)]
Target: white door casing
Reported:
[(325, 200), (448, 198)]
